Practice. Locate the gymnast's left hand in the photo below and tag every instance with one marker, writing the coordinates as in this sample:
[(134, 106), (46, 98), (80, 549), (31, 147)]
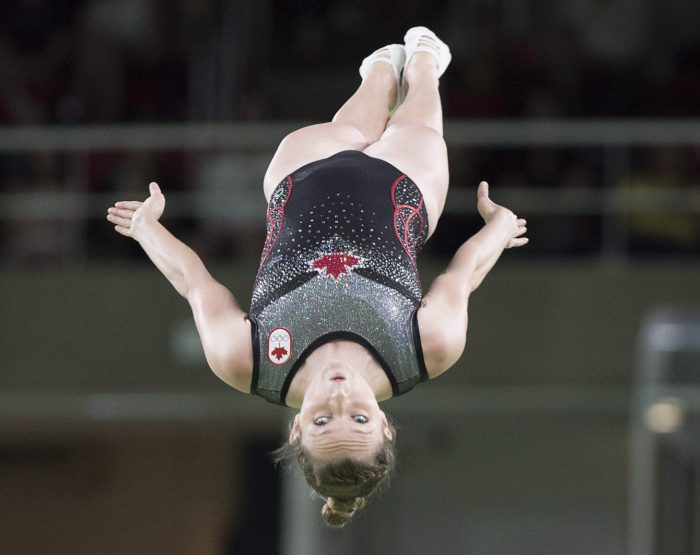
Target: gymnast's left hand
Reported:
[(132, 218)]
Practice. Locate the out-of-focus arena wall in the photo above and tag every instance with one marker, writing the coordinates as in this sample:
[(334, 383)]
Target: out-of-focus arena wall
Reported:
[(117, 437), (531, 323)]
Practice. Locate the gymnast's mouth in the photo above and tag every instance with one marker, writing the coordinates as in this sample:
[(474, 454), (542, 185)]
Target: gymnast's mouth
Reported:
[(337, 378)]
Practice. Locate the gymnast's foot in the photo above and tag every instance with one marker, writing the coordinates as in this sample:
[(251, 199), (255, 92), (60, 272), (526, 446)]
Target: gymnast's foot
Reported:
[(425, 54), (392, 55)]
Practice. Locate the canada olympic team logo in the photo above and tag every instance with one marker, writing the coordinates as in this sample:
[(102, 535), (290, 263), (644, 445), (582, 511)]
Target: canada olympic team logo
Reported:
[(279, 346)]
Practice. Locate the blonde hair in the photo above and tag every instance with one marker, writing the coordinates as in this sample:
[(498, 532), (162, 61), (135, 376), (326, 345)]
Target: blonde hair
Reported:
[(336, 512), (345, 484)]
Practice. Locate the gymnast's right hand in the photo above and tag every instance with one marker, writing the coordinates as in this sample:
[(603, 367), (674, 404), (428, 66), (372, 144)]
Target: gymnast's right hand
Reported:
[(132, 218)]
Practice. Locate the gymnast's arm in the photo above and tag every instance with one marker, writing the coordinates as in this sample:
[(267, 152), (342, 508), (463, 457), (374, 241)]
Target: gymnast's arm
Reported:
[(442, 318), (222, 325)]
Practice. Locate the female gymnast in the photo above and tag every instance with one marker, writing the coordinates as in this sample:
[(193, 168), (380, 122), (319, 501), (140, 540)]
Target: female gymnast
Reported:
[(338, 321)]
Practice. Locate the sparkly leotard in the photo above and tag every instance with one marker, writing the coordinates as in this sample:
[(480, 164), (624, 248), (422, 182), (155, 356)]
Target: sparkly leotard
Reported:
[(339, 262)]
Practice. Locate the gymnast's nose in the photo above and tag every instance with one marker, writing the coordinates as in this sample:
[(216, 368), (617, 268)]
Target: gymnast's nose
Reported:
[(339, 394)]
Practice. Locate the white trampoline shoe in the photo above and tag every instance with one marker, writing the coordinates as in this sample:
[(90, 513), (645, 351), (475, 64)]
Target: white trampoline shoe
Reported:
[(422, 39)]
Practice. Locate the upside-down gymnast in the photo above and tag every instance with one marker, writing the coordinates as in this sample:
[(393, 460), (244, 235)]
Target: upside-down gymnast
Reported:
[(338, 321)]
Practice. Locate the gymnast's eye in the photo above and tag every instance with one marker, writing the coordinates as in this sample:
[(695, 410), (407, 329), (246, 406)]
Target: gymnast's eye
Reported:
[(321, 420), (361, 419)]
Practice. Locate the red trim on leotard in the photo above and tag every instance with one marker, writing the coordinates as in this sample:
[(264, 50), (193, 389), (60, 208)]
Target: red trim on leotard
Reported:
[(415, 211), (273, 214)]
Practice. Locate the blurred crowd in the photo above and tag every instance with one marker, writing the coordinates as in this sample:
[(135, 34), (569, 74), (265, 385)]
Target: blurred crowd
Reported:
[(119, 61), (79, 61)]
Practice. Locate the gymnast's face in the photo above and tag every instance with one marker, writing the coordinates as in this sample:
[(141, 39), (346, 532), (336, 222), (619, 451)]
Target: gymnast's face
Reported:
[(340, 417)]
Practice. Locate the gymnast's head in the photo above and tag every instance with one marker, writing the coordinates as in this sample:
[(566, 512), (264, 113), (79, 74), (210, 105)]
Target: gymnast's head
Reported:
[(342, 441)]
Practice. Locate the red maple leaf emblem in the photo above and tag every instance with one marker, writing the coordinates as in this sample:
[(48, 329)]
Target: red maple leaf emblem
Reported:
[(279, 352), (335, 264)]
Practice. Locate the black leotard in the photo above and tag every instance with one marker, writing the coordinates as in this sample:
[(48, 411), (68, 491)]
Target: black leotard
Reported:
[(339, 262)]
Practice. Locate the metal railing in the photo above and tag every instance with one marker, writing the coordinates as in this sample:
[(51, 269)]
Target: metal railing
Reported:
[(608, 200)]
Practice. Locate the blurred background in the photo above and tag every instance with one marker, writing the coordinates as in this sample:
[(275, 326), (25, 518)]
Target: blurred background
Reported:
[(570, 424)]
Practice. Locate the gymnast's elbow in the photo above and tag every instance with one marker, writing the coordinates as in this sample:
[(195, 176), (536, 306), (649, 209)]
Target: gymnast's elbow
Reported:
[(232, 370)]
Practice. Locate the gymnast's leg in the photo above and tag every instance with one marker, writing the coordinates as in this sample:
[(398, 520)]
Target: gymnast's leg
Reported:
[(359, 123), (413, 138)]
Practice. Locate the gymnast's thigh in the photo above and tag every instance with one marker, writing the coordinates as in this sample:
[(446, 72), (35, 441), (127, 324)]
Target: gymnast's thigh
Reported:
[(420, 153), (307, 145)]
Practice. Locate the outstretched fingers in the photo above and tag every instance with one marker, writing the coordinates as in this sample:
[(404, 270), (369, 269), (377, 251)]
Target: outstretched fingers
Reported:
[(125, 231), (128, 204), (119, 220), (121, 224), (517, 240), (128, 216), (487, 209), (121, 212), (121, 215)]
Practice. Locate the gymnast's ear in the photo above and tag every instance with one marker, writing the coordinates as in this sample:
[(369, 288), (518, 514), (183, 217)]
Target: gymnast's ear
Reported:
[(387, 429), (295, 432)]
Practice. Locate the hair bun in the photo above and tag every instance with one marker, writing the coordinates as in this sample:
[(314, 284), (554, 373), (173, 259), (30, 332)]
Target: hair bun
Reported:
[(337, 511)]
